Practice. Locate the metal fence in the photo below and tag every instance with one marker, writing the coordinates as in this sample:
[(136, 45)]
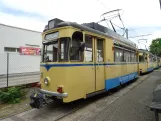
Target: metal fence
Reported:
[(16, 69)]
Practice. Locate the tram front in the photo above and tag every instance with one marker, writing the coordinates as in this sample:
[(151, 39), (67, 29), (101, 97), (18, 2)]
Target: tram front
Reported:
[(55, 57)]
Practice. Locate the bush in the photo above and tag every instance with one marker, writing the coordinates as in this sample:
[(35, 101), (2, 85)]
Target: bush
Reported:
[(11, 95)]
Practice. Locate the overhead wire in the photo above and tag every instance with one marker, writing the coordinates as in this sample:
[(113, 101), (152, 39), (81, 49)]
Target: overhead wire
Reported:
[(139, 33), (143, 38)]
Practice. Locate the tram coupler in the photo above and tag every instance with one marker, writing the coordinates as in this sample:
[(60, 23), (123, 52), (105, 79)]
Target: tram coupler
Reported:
[(37, 100)]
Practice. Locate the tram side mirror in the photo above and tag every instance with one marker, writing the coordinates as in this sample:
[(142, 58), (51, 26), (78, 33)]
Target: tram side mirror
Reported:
[(82, 46)]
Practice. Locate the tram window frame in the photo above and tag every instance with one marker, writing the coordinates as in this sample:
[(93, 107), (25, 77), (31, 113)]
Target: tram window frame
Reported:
[(127, 56), (133, 56), (118, 55), (122, 54), (77, 55), (64, 56), (47, 51), (100, 50), (141, 58), (158, 60), (55, 56), (150, 58), (146, 58), (88, 48), (154, 59)]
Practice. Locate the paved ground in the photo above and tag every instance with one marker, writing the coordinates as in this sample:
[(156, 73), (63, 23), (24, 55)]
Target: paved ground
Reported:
[(19, 79), (133, 106), (127, 104)]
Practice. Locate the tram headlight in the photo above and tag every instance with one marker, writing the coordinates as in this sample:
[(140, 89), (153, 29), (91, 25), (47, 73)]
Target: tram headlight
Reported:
[(46, 81)]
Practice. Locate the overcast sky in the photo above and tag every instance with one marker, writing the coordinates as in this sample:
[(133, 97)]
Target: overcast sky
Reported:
[(140, 16)]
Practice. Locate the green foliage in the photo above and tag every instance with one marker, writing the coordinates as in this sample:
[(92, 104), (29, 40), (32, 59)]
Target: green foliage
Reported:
[(155, 47), (11, 95)]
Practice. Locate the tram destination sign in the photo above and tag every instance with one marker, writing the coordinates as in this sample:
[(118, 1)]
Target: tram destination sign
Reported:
[(51, 36)]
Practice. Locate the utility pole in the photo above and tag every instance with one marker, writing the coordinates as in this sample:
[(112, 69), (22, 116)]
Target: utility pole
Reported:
[(126, 30)]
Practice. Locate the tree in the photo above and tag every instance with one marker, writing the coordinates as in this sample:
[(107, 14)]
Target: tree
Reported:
[(155, 47)]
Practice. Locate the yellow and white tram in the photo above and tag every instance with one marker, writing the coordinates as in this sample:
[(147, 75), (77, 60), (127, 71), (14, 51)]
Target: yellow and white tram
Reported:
[(79, 61)]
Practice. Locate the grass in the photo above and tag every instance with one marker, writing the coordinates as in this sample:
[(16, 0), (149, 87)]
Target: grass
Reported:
[(10, 109)]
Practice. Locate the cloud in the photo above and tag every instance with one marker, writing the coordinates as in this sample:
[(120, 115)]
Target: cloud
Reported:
[(136, 13), (22, 22), (79, 11), (18, 12), (140, 16)]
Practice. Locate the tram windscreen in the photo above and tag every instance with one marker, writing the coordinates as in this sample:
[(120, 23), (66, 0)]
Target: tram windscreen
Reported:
[(50, 51), (56, 50)]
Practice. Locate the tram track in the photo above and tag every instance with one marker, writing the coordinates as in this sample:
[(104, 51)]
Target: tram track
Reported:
[(61, 117)]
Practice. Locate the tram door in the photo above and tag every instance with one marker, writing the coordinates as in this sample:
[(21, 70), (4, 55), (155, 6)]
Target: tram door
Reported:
[(89, 71), (99, 64)]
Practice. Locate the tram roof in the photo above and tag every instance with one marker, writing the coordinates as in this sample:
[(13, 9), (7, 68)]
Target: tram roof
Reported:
[(146, 51), (142, 50), (109, 33)]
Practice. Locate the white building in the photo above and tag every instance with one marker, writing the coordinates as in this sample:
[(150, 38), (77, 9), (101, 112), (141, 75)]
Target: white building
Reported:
[(12, 39)]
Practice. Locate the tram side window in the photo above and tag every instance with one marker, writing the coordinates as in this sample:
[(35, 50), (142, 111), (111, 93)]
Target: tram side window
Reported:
[(118, 55), (115, 56), (75, 53), (154, 59), (100, 57), (133, 57), (146, 58), (121, 56), (127, 56), (158, 60), (88, 49), (50, 52), (150, 59), (64, 47), (141, 58), (55, 51)]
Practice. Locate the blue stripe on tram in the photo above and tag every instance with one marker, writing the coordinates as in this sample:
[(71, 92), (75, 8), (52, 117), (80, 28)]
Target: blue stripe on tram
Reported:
[(48, 66), (115, 82), (150, 69)]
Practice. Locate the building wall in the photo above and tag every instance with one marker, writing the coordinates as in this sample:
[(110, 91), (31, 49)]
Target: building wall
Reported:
[(16, 37)]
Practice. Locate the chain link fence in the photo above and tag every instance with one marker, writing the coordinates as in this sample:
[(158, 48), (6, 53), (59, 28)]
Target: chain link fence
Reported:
[(16, 69)]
